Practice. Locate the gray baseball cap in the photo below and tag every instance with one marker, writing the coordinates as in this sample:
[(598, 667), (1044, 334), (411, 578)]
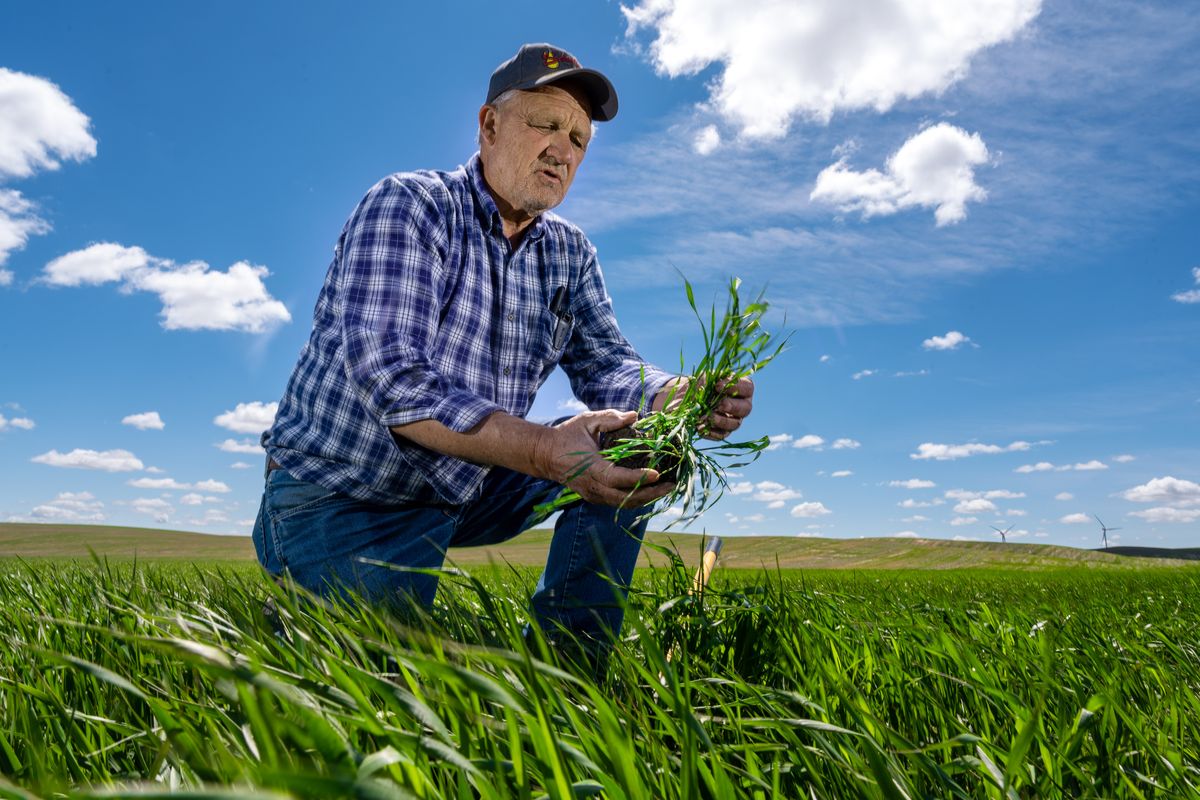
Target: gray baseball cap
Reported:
[(541, 64)]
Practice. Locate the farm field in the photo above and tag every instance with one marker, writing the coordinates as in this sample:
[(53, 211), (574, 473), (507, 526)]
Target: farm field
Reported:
[(123, 680)]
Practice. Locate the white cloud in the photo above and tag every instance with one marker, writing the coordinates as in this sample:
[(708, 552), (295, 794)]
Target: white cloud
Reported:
[(807, 441), (768, 486), (572, 404), (778, 440), (1191, 296), (991, 494), (24, 423), (933, 169), (950, 341), (71, 507), (755, 518), (162, 484), (866, 373), (1168, 514), (960, 521), (913, 483), (107, 460), (1041, 466), (1124, 458), (192, 499), (1046, 466), (1016, 512), (239, 465), (976, 506), (244, 446), (906, 535), (961, 538), (741, 487), (781, 60), (1090, 466), (18, 221), (809, 510), (950, 452), (910, 503), (825, 359), (707, 140), (211, 486), (1064, 496), (846, 444), (775, 504), (155, 507), (149, 420), (1169, 491), (252, 417), (1075, 519), (911, 374), (772, 492), (193, 296), (916, 518), (842, 473)]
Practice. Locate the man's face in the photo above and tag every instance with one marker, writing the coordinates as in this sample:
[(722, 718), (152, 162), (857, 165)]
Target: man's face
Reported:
[(531, 147)]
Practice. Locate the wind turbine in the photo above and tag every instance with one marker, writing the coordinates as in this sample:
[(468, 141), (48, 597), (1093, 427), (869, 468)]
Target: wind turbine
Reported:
[(1104, 531), (1003, 533)]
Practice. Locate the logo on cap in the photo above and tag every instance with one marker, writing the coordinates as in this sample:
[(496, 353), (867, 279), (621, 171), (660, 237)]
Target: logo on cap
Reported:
[(552, 60)]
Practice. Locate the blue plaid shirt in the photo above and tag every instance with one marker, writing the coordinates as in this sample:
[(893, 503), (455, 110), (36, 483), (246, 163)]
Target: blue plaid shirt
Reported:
[(428, 312)]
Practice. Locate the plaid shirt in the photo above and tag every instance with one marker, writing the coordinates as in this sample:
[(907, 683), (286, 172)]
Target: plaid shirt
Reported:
[(428, 312)]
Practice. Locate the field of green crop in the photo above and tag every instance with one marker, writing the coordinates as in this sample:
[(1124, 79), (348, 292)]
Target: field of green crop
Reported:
[(124, 681)]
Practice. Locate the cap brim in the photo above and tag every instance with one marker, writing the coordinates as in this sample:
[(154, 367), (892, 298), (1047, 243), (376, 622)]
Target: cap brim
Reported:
[(600, 91)]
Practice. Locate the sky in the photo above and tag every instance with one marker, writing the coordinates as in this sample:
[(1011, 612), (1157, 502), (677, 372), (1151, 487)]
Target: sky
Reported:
[(978, 222)]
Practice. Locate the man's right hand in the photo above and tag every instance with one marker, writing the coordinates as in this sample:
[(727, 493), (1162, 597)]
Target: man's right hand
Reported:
[(572, 458)]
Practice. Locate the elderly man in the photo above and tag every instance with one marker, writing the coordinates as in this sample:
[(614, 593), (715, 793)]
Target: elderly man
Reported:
[(450, 299)]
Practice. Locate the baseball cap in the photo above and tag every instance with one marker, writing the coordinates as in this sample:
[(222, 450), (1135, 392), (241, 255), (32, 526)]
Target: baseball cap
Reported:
[(541, 64)]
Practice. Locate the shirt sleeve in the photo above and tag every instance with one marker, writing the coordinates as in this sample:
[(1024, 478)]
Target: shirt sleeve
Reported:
[(392, 255), (604, 369)]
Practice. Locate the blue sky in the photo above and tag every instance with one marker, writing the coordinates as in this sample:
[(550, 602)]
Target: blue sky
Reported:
[(981, 226)]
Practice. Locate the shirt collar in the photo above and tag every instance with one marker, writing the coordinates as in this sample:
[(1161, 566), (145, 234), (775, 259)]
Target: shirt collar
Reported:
[(486, 205)]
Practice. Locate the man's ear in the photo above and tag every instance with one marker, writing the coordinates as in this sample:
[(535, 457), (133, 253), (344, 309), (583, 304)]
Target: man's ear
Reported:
[(487, 124)]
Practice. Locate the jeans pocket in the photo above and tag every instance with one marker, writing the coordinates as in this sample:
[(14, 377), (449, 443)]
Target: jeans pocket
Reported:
[(291, 500)]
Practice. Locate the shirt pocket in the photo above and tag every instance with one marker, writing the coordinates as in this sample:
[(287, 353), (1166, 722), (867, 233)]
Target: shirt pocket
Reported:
[(554, 332)]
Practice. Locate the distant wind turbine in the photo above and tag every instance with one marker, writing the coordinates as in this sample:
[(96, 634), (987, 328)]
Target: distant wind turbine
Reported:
[(1104, 531), (1003, 533)]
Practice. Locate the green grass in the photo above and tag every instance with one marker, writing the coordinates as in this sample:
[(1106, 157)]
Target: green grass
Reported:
[(529, 549), (123, 681)]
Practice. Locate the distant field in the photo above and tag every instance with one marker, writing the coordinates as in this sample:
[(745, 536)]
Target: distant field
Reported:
[(529, 549)]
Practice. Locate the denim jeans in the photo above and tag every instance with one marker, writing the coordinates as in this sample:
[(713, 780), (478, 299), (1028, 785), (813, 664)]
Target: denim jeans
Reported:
[(324, 541)]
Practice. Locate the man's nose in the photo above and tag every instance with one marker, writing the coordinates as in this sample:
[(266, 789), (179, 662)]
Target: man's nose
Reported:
[(561, 149)]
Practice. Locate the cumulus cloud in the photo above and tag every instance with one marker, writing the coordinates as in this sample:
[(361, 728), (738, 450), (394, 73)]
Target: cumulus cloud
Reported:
[(913, 483), (934, 169), (778, 440), (244, 446), (991, 494), (1190, 296), (960, 521), (781, 61), (194, 499), (252, 417), (149, 420), (911, 503), (571, 404), (161, 484), (155, 507), (1046, 466), (24, 423), (1169, 491), (1124, 458), (71, 507), (1075, 519), (1168, 514), (772, 492), (239, 465), (846, 444), (707, 140), (810, 440), (951, 341), (1064, 496), (906, 535), (211, 486), (950, 452), (976, 506), (741, 487), (193, 296), (107, 460), (841, 473), (809, 510), (866, 373), (40, 127)]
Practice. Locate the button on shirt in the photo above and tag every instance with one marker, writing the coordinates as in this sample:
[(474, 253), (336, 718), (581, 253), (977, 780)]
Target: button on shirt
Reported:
[(428, 312)]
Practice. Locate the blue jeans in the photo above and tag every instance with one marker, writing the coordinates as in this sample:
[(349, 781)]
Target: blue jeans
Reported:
[(321, 538)]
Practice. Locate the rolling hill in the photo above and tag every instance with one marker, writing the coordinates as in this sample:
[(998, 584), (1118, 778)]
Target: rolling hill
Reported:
[(73, 541)]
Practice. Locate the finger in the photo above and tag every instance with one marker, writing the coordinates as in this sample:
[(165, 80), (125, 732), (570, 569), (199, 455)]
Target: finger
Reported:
[(611, 420), (742, 387), (627, 479), (735, 407), (648, 495)]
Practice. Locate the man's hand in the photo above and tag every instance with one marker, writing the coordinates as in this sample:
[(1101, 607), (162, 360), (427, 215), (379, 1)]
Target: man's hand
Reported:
[(735, 405), (571, 457)]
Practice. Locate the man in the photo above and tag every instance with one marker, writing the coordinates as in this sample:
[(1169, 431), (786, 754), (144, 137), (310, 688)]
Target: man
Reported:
[(451, 298)]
